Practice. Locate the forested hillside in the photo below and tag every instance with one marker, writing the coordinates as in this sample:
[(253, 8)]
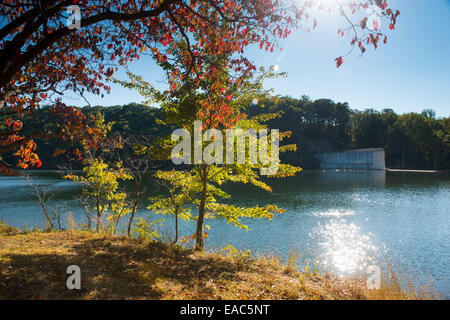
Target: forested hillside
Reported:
[(411, 141)]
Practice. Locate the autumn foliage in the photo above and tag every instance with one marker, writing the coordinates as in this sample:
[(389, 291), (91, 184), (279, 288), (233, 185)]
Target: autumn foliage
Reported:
[(41, 57)]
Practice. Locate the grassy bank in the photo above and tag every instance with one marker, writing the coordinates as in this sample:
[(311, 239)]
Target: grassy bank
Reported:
[(33, 266)]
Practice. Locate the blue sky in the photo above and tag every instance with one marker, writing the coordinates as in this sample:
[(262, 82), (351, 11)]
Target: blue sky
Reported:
[(410, 73)]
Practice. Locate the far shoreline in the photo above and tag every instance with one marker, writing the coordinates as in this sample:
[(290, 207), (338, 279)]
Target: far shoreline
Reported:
[(418, 171)]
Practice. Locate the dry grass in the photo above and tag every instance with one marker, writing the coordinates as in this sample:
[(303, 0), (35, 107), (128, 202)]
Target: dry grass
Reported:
[(7, 230), (402, 284), (33, 266)]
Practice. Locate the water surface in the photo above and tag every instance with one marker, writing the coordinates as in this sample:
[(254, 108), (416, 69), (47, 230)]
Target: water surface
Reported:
[(347, 220)]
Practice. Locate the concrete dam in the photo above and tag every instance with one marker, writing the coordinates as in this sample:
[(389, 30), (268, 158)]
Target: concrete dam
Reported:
[(362, 159)]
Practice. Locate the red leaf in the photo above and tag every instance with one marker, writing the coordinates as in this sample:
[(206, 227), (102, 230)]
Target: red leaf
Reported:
[(363, 23), (339, 61), (375, 25)]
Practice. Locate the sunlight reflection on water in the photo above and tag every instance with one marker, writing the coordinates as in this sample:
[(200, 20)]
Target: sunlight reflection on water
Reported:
[(334, 213), (344, 247)]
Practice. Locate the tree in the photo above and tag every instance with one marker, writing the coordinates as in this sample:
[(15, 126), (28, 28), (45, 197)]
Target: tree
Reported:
[(138, 158), (443, 133), (424, 145), (181, 188), (100, 179), (41, 57), (100, 184), (42, 197), (323, 119), (366, 129), (199, 109)]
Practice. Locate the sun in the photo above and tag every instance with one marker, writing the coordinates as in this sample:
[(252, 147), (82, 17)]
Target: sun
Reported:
[(325, 8), (330, 4)]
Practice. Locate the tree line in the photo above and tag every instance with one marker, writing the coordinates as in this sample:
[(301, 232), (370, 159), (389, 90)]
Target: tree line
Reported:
[(411, 140)]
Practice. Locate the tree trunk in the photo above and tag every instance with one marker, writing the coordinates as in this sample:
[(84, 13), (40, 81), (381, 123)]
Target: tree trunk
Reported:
[(177, 208), (44, 208), (115, 225), (88, 216), (133, 211), (201, 212), (98, 214)]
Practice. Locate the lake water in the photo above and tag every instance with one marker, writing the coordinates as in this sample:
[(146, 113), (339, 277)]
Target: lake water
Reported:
[(345, 219)]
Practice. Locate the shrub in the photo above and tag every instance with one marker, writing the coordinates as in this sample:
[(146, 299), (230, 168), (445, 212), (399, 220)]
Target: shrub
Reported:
[(7, 230)]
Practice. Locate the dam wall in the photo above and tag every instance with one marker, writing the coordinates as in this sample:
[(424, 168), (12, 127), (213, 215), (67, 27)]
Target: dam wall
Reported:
[(362, 159)]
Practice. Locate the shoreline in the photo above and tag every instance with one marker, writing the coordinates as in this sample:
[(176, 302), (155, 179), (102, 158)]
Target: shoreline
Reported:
[(33, 266), (418, 171)]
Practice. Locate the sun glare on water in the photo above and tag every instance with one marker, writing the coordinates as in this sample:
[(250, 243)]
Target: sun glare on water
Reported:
[(345, 249)]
